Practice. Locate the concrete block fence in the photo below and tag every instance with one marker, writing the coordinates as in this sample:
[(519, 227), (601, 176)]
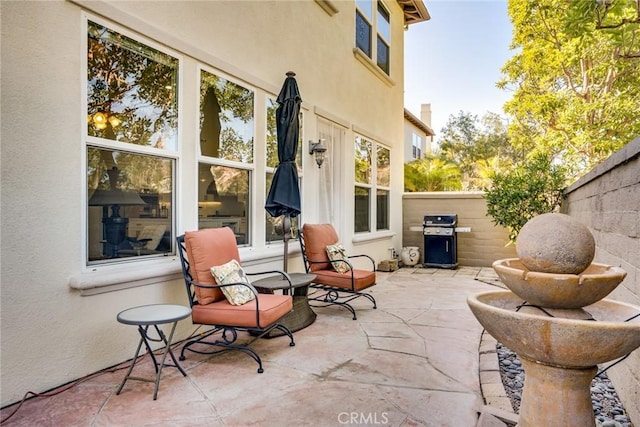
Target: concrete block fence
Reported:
[(607, 200)]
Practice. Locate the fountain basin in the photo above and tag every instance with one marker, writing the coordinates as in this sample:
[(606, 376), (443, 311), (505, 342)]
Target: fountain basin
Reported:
[(556, 290), (558, 341)]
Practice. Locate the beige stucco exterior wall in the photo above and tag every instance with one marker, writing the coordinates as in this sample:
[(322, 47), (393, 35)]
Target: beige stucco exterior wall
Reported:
[(479, 248), (607, 200), (51, 334)]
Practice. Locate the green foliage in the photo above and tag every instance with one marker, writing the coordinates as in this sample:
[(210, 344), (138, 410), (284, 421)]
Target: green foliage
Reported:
[(517, 195), (475, 145), (575, 79), (363, 155), (131, 83), (431, 174)]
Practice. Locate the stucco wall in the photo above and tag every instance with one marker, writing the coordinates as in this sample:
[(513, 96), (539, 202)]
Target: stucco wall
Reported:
[(607, 200), (484, 244), (50, 333)]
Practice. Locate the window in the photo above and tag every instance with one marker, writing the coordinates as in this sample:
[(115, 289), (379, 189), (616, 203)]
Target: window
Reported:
[(363, 26), (366, 21), (363, 169), (383, 37), (131, 147), (417, 145), (383, 170), (372, 176), (273, 226), (226, 149)]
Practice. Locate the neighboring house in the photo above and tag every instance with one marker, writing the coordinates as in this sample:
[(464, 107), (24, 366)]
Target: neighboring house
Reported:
[(418, 135), (158, 117)]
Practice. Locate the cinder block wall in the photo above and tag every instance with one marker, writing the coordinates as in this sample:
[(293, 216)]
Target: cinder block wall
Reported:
[(607, 200), (480, 248)]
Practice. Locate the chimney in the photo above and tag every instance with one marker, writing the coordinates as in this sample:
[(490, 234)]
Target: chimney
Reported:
[(425, 114)]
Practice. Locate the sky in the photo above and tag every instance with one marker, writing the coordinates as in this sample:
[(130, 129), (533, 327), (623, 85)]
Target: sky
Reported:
[(453, 61)]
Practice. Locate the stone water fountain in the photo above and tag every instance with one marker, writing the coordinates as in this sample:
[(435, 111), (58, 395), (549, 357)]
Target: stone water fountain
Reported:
[(555, 319)]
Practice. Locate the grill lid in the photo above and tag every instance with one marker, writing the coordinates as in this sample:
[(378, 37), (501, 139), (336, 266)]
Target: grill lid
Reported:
[(440, 220)]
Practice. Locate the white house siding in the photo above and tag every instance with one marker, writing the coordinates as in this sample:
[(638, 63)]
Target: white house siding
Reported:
[(51, 334)]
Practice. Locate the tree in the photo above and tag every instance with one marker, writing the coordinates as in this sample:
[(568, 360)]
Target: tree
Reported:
[(576, 88), (431, 174), (475, 145), (531, 188)]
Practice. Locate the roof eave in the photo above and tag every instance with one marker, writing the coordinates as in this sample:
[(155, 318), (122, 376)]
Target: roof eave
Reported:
[(414, 11), (418, 123)]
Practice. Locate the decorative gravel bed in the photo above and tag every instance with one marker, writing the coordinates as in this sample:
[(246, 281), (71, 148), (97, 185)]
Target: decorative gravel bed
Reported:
[(607, 407)]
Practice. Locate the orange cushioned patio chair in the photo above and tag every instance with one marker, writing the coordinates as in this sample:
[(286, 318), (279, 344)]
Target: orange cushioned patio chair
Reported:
[(216, 247), (339, 281)]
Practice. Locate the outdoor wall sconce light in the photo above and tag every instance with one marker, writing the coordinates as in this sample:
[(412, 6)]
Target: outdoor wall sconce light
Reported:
[(317, 149)]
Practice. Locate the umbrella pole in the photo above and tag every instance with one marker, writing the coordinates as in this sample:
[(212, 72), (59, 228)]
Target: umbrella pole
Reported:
[(286, 227)]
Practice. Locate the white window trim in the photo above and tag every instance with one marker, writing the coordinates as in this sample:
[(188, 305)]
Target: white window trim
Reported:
[(372, 187), (371, 62), (97, 279), (373, 67), (88, 271)]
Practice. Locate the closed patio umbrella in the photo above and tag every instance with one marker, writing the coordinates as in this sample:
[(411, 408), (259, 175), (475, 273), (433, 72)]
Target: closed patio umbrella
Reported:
[(284, 193)]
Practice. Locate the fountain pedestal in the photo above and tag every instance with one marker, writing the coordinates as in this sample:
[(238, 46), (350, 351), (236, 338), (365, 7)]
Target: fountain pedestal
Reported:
[(555, 396)]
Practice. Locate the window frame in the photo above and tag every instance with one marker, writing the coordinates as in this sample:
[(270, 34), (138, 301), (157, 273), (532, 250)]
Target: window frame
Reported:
[(376, 37), (251, 168), (417, 145), (372, 187), (95, 142)]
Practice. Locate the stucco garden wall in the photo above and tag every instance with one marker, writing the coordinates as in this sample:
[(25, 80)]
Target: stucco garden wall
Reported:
[(607, 200), (479, 248)]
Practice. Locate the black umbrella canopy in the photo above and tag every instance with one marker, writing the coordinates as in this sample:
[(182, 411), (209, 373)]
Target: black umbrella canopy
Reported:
[(284, 193)]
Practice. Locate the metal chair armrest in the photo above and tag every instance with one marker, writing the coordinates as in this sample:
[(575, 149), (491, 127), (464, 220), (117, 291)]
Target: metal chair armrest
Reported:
[(373, 263), (284, 275)]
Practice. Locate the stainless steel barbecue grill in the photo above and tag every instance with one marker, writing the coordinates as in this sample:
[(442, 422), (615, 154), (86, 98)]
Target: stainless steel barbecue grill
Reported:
[(440, 241)]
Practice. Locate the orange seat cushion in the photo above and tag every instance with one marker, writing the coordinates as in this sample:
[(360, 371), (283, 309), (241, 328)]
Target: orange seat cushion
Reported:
[(205, 249), (362, 279), (316, 239), (221, 313)]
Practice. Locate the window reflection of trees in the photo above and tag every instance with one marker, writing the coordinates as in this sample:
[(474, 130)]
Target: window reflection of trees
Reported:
[(131, 90), (362, 160), (131, 101), (226, 119), (383, 166), (137, 172)]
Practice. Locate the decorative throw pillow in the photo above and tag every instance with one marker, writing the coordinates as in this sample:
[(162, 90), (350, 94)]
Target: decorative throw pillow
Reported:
[(232, 272), (336, 253)]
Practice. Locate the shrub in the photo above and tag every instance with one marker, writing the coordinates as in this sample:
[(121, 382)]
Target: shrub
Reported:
[(517, 195)]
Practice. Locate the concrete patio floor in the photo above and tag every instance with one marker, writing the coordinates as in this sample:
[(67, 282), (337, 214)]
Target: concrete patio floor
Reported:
[(415, 361)]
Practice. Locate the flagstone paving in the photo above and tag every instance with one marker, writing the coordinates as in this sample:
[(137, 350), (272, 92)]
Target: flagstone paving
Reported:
[(415, 361)]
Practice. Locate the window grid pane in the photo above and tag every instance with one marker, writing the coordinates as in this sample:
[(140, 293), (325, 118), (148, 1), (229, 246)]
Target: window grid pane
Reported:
[(383, 166), (132, 94), (362, 209), (383, 23), (363, 34), (226, 119), (130, 205), (223, 197), (382, 210), (366, 7), (382, 58), (363, 160)]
